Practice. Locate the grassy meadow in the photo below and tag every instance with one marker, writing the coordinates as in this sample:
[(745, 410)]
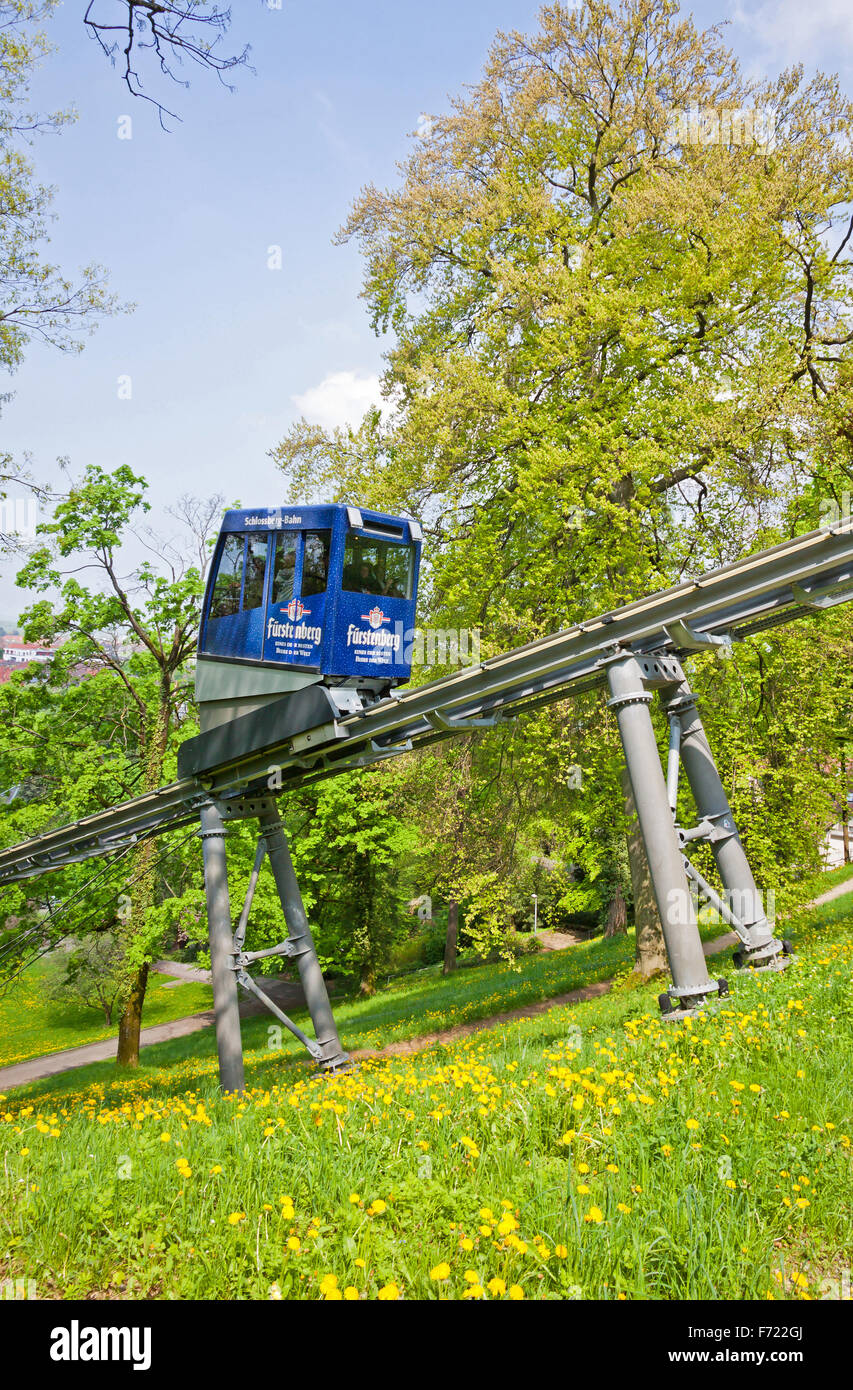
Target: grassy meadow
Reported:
[(590, 1152), (32, 1025)]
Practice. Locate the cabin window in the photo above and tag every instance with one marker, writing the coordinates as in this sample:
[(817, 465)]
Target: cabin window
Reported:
[(229, 578), (378, 567), (256, 568), (315, 562), (285, 567)]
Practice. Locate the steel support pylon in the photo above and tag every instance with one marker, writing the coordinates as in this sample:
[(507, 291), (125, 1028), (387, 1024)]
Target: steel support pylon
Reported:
[(631, 677), (630, 700), (228, 959), (229, 1043)]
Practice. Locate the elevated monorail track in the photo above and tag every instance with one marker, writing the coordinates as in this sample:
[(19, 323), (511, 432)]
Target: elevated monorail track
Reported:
[(304, 737)]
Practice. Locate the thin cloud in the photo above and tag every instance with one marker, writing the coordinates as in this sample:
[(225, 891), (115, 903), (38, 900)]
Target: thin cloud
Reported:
[(788, 31), (342, 398)]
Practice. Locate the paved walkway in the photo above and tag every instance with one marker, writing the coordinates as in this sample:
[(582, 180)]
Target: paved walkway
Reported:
[(288, 995), (104, 1051), (183, 974)]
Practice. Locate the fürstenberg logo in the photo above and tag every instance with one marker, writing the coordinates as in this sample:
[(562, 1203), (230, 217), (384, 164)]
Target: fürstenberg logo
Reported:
[(76, 1343)]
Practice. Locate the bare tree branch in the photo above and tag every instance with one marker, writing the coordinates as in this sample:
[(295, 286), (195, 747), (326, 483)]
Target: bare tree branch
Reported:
[(176, 33)]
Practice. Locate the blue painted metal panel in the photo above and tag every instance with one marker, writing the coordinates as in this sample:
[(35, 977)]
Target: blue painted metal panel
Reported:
[(362, 626)]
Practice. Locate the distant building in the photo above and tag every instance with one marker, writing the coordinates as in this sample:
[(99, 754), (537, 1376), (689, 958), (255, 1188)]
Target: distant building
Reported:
[(21, 653)]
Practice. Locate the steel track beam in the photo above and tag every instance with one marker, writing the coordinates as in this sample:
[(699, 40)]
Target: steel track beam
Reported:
[(789, 581)]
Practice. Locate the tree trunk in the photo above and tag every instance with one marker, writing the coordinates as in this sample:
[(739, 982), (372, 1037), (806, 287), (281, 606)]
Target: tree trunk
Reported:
[(617, 914), (452, 937), (651, 948), (845, 813), (131, 1021), (144, 864)]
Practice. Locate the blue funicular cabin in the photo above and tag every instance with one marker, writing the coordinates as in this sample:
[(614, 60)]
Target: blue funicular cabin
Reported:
[(301, 595)]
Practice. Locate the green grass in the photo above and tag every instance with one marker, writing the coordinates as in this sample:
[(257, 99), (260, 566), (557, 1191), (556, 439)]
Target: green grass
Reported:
[(32, 1025), (589, 1152)]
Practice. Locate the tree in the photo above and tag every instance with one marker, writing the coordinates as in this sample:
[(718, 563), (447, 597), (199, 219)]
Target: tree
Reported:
[(91, 975), (620, 349), (36, 299), (576, 289), (140, 631), (348, 839)]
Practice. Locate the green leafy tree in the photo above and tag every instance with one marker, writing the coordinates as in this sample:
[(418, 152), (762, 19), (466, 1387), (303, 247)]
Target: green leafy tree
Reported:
[(620, 345), (348, 839), (92, 975), (140, 631)]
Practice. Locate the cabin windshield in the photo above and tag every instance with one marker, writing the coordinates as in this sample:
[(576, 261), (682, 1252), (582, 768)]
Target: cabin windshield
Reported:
[(239, 583), (378, 567), (228, 585)]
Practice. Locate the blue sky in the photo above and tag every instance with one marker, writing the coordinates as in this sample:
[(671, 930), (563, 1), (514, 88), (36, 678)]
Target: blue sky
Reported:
[(224, 353)]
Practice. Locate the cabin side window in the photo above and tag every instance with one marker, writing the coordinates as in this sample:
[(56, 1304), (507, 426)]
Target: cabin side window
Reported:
[(284, 568), (315, 562), (378, 567), (256, 569), (228, 584)]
